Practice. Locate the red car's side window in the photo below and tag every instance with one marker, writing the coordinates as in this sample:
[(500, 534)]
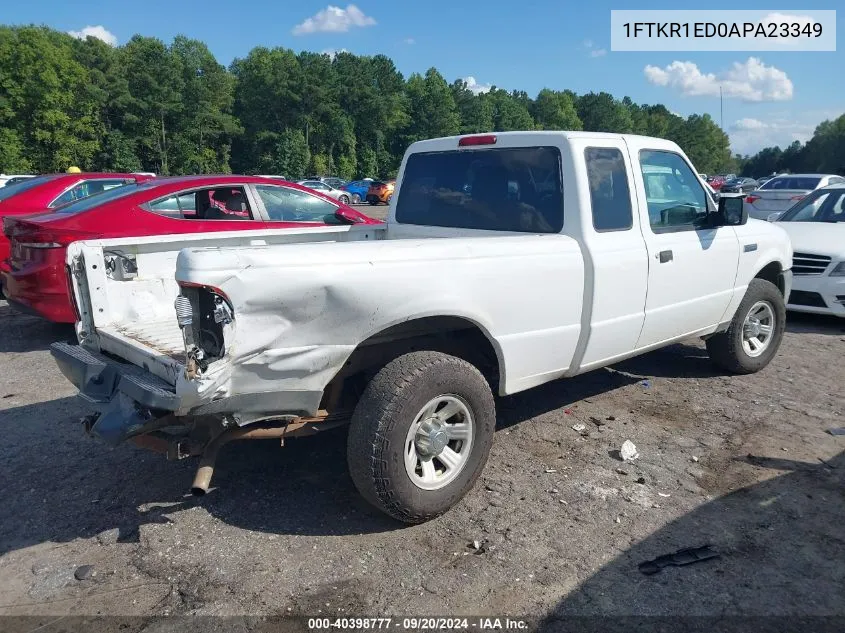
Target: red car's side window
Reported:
[(219, 203)]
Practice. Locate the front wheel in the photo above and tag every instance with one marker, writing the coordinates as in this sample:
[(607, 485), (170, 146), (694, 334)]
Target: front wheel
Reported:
[(356, 199), (755, 333), (420, 435), (344, 199)]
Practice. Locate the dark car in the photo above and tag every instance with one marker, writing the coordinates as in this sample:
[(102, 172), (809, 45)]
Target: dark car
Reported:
[(739, 185)]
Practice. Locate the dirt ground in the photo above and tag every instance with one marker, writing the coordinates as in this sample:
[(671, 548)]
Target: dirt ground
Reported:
[(741, 463)]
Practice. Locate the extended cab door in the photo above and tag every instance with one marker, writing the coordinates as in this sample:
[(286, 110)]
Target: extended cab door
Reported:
[(691, 267), (615, 253)]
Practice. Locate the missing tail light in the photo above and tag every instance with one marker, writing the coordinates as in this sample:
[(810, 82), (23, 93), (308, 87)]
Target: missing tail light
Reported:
[(203, 312)]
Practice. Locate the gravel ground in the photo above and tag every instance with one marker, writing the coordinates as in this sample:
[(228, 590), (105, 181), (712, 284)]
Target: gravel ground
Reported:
[(742, 463)]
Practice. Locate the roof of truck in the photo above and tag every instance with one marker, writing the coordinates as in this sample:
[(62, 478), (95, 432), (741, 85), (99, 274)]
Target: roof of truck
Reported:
[(567, 134)]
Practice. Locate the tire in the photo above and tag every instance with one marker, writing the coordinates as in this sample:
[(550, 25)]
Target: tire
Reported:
[(728, 350), (356, 199), (373, 202), (381, 426), (344, 199)]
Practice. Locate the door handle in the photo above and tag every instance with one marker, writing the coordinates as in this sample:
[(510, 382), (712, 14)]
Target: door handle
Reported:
[(665, 256)]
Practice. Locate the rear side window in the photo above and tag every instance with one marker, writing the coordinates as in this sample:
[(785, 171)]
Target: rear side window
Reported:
[(176, 206), (610, 196), (790, 182), (512, 189)]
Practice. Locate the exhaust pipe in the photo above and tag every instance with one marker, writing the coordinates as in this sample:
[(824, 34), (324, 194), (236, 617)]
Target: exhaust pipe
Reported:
[(202, 480)]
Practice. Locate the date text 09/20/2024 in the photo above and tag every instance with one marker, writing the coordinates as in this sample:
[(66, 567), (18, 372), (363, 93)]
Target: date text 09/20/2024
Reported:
[(774, 30), (418, 624)]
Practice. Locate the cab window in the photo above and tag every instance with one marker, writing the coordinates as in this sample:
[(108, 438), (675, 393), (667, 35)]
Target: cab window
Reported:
[(610, 197), (504, 189), (676, 200)]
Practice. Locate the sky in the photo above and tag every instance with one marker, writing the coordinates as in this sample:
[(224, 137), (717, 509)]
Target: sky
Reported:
[(769, 98)]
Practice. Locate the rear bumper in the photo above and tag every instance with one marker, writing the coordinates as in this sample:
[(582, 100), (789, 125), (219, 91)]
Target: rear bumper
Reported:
[(100, 379), (129, 397)]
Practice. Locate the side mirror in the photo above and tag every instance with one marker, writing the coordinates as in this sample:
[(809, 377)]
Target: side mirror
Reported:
[(774, 216), (732, 211)]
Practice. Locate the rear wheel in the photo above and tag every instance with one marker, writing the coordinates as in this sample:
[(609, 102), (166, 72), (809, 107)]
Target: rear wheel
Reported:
[(755, 333), (373, 202), (344, 199), (420, 435)]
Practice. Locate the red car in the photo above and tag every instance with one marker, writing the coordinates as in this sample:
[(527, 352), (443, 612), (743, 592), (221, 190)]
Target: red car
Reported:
[(35, 195), (35, 278)]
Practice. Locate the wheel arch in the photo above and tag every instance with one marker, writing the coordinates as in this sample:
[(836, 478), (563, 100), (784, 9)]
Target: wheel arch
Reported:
[(451, 333)]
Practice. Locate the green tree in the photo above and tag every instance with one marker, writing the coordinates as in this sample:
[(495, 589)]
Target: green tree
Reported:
[(510, 112), (432, 107), (600, 112), (556, 111)]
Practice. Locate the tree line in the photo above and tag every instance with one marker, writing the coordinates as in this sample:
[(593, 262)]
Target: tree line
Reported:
[(173, 109)]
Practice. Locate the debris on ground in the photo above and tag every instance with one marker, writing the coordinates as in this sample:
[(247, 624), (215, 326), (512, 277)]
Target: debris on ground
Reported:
[(646, 383), (628, 451), (551, 470), (84, 572), (598, 421), (694, 459), (621, 471), (641, 481), (837, 431), (580, 428), (682, 557)]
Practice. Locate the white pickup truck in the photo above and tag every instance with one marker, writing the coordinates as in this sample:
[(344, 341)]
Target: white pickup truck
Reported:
[(508, 260)]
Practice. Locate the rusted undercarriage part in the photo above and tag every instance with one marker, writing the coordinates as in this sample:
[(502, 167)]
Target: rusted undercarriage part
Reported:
[(220, 436)]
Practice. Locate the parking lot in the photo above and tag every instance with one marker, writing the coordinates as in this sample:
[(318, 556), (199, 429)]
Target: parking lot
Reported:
[(556, 526)]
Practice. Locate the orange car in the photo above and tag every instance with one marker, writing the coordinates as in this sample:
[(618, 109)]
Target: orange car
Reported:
[(380, 191)]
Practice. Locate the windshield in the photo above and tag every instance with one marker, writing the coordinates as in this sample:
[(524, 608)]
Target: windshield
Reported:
[(820, 206), (10, 190), (791, 182), (102, 197)]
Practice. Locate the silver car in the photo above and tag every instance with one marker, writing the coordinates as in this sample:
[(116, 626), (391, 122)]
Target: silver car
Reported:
[(338, 194), (782, 192)]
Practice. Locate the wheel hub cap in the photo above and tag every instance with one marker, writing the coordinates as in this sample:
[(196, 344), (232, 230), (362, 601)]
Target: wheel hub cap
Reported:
[(431, 438), (752, 328)]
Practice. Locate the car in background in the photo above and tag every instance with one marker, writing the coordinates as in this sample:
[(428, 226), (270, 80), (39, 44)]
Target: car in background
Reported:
[(380, 191), (11, 179), (337, 183), (715, 182), (782, 192), (43, 193), (357, 190), (35, 280), (341, 195), (739, 184), (816, 227)]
